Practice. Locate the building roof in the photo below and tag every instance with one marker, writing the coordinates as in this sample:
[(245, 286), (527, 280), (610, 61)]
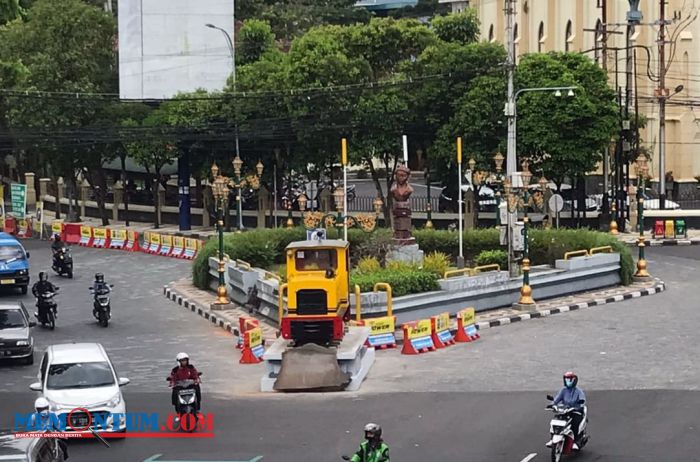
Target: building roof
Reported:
[(320, 244)]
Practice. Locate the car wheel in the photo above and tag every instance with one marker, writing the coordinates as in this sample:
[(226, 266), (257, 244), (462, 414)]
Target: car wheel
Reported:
[(24, 290), (29, 360)]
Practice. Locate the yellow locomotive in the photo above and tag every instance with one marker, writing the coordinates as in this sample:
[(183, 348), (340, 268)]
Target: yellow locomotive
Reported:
[(318, 283)]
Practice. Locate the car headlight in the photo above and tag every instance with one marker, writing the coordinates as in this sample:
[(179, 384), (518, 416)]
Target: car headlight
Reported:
[(116, 399), (22, 342), (22, 272)]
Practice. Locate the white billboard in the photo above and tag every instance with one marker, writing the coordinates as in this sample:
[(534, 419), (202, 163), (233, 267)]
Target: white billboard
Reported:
[(165, 47)]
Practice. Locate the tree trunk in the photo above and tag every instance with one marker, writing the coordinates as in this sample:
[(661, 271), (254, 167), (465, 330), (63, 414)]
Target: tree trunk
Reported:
[(380, 193), (156, 205), (125, 197)]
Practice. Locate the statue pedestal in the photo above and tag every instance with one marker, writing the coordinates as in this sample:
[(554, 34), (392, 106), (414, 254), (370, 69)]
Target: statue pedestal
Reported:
[(407, 253)]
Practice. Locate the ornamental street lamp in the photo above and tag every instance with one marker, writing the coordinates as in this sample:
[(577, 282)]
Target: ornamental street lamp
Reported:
[(520, 198), (237, 183), (366, 222), (642, 169), (219, 189)]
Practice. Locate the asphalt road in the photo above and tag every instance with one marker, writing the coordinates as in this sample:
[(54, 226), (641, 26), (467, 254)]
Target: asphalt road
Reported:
[(464, 404)]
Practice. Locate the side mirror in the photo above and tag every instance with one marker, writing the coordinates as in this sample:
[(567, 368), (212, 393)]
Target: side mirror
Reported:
[(167, 379), (582, 401), (36, 386), (27, 254), (199, 374), (111, 286), (550, 397), (123, 381), (91, 288), (32, 324)]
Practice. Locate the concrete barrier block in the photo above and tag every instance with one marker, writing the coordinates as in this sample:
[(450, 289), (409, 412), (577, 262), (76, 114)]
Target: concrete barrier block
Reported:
[(240, 281), (478, 281), (577, 263)]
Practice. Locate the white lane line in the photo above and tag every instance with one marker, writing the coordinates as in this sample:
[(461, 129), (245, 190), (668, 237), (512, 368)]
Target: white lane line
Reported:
[(530, 457)]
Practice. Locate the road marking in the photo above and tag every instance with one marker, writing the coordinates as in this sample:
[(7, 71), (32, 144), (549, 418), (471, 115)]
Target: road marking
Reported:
[(530, 457), (156, 458)]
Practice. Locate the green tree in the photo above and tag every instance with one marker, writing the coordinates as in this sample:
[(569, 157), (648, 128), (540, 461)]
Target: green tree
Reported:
[(255, 38), (462, 28), (564, 137), (65, 45), (9, 11)]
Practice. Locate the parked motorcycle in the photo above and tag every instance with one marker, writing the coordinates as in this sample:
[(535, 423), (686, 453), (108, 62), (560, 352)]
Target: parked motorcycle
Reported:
[(101, 308), (561, 431), (63, 262), (47, 309), (187, 404)]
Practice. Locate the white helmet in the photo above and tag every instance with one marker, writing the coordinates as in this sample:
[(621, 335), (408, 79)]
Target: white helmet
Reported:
[(181, 356), (41, 403)]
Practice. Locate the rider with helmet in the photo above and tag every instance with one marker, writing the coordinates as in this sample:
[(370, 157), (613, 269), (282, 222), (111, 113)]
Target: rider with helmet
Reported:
[(42, 421), (373, 449), (57, 244), (100, 284), (42, 286), (572, 396), (185, 371)]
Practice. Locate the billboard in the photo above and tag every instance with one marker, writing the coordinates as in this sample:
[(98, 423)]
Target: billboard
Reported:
[(165, 47)]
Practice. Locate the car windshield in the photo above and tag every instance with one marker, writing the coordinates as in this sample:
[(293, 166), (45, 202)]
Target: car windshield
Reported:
[(79, 375), (11, 319), (8, 252)]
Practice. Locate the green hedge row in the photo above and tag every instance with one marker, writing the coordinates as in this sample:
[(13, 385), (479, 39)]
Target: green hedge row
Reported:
[(264, 248), (402, 281)]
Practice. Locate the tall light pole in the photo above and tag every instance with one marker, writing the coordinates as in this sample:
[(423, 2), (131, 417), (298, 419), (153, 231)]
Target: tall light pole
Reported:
[(511, 112), (230, 41)]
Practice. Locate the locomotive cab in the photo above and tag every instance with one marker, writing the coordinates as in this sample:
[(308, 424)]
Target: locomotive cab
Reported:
[(318, 281)]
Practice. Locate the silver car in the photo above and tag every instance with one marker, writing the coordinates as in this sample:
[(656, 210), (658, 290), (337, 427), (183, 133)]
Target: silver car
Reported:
[(16, 341), (30, 449)]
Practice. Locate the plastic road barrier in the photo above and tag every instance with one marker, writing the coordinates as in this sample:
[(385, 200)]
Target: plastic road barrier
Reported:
[(85, 236), (440, 330), (253, 349), (382, 332), (417, 337), (466, 326)]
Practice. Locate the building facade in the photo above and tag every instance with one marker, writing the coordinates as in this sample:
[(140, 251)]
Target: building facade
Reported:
[(576, 26)]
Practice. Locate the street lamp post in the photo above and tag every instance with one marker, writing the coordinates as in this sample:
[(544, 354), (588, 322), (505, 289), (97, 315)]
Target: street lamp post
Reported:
[(231, 183), (460, 201), (219, 188), (341, 219), (511, 111), (642, 168), (429, 208)]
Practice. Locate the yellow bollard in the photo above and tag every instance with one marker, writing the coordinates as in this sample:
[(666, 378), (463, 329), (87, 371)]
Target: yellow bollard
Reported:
[(389, 301)]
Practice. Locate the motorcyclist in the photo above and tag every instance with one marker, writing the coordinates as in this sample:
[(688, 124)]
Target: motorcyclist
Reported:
[(56, 247), (99, 284), (42, 421), (42, 286), (572, 396), (373, 449), (185, 371)]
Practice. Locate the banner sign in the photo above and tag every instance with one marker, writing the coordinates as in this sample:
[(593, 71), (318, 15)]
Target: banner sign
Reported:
[(441, 329), (419, 334), (382, 331), (19, 199)]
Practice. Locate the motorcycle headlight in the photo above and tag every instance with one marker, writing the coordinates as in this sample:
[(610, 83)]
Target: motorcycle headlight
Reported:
[(116, 399), (23, 343)]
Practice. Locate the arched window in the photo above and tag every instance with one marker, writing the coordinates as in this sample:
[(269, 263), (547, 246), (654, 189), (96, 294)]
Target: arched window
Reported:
[(540, 38), (569, 37), (598, 44), (491, 33)]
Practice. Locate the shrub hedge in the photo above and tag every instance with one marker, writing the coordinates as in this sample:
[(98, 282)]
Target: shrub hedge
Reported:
[(265, 248), (402, 281)]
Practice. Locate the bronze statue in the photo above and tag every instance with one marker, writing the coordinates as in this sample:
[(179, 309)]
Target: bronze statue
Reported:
[(401, 211)]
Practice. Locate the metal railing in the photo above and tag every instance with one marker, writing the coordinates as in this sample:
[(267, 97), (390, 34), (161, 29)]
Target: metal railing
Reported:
[(576, 253)]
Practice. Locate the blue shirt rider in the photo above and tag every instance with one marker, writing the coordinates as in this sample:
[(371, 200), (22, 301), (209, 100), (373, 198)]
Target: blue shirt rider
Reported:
[(573, 397)]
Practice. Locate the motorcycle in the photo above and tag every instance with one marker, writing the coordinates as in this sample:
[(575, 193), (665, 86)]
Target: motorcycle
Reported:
[(561, 431), (47, 309), (63, 262), (186, 403), (101, 308)]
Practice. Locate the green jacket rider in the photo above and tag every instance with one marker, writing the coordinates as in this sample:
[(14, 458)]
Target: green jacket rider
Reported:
[(373, 449)]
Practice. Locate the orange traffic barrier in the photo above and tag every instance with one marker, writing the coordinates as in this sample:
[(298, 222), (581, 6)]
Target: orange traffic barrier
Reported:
[(382, 332), (132, 241), (253, 349), (245, 324), (440, 330), (117, 238), (178, 247), (417, 338), (100, 238), (85, 236), (71, 233), (466, 326), (57, 227), (166, 245), (10, 225)]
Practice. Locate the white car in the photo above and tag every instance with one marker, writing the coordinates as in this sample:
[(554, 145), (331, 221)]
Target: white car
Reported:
[(81, 375)]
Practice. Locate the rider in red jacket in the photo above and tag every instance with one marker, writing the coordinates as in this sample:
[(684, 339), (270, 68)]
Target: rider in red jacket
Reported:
[(184, 371)]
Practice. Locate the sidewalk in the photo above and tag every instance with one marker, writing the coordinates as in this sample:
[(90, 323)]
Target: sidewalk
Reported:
[(185, 294), (633, 238)]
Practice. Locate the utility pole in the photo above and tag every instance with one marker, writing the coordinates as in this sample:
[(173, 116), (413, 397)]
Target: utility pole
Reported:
[(511, 155), (606, 158), (661, 93)]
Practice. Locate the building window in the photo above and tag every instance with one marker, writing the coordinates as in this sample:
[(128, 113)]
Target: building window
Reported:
[(540, 38), (491, 33), (569, 37), (599, 38)]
